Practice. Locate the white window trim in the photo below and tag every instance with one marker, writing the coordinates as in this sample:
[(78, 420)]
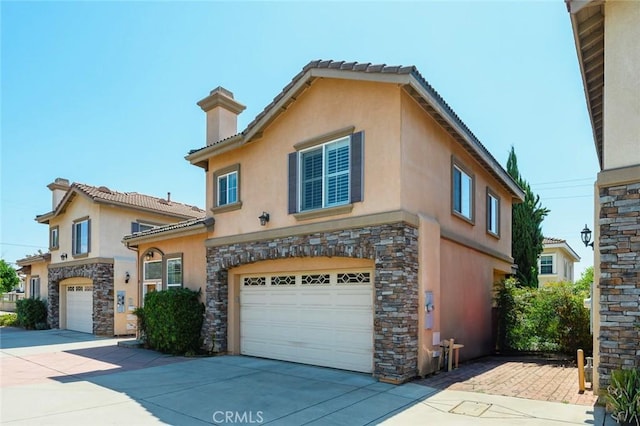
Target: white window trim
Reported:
[(300, 185), (34, 283), (54, 243), (166, 272), (144, 271), (491, 213), (78, 225), (464, 171), (219, 178), (554, 269)]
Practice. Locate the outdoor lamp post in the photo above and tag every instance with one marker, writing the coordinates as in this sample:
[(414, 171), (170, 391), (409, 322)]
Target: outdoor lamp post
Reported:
[(586, 237)]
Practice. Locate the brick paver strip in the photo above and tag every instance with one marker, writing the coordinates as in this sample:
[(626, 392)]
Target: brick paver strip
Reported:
[(542, 380)]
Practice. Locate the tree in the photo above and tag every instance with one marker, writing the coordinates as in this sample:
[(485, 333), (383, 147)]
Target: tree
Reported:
[(526, 241), (584, 283), (8, 277)]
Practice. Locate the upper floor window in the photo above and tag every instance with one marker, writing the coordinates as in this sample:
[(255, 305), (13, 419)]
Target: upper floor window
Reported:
[(546, 264), (81, 237), (493, 213), (226, 191), (54, 238), (227, 188), (141, 227), (326, 174), (174, 272), (462, 192)]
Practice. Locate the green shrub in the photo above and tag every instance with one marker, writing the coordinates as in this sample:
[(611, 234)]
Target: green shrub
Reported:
[(172, 320), (32, 313), (623, 396), (550, 319), (9, 320)]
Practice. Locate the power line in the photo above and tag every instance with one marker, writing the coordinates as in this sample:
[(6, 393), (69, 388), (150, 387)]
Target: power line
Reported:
[(22, 245), (572, 196), (563, 181), (564, 187)]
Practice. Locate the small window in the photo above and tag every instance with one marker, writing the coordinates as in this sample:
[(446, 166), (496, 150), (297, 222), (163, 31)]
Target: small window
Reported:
[(226, 193), (54, 238), (152, 270), (174, 273), (493, 214), (34, 287), (462, 192), (81, 237), (546, 264), (228, 189)]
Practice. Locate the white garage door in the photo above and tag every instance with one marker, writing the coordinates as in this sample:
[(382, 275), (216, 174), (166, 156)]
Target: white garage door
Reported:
[(314, 318), (80, 308)]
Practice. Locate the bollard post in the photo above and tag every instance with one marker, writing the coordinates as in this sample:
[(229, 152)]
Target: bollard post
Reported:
[(581, 370)]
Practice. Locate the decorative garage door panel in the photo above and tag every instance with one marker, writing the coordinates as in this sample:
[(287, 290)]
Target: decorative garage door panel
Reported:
[(322, 319), (80, 308)]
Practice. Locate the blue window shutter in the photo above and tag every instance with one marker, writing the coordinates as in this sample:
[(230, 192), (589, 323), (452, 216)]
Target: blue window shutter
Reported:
[(293, 182), (135, 227), (357, 169)]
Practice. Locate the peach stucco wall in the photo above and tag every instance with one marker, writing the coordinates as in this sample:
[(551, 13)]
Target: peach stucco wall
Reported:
[(40, 270), (194, 263), (328, 105)]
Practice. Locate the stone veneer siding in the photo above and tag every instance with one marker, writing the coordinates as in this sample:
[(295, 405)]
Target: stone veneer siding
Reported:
[(394, 249), (619, 339), (102, 276)]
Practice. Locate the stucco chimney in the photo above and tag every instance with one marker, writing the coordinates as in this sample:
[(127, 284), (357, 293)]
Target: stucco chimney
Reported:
[(58, 189), (222, 114)]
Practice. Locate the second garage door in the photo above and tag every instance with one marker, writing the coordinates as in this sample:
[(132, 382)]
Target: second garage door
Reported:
[(314, 318), (80, 308)]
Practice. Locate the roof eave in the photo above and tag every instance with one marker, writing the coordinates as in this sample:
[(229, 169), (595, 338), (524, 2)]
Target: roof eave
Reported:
[(144, 209), (484, 157), (200, 157), (198, 228)]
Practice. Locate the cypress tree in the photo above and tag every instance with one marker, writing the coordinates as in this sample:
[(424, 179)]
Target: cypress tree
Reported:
[(526, 229)]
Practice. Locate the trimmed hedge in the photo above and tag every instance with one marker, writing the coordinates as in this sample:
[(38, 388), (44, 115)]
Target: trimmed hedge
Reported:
[(171, 321), (32, 313), (551, 318)]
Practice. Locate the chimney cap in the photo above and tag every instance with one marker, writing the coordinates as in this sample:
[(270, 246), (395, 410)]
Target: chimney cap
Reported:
[(59, 183), (221, 97)]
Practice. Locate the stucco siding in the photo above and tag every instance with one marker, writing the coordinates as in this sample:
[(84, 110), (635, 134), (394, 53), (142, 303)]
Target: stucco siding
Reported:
[(622, 85), (326, 106)]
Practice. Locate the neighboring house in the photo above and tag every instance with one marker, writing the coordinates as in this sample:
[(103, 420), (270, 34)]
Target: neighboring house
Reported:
[(88, 277), (35, 271), (358, 222), (606, 34), (556, 261)]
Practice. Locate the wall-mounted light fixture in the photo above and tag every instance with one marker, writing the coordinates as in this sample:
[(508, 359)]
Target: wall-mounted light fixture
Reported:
[(127, 277), (63, 256), (149, 255), (586, 236), (264, 218)]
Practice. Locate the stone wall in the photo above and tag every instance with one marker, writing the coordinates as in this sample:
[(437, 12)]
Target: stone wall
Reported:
[(619, 339), (102, 276), (394, 249)]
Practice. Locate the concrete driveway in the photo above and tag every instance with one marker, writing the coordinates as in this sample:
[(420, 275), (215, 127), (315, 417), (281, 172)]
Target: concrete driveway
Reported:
[(61, 377)]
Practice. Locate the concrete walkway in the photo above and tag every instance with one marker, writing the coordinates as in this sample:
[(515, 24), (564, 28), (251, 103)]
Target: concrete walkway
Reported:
[(59, 377)]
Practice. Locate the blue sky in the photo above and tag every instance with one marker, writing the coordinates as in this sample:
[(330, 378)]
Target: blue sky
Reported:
[(105, 93)]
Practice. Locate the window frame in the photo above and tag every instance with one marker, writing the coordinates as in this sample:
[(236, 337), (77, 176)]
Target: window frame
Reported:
[(144, 270), (54, 243), (219, 174), (75, 252), (553, 264), (169, 258), (492, 195), (464, 170), (34, 283), (323, 146)]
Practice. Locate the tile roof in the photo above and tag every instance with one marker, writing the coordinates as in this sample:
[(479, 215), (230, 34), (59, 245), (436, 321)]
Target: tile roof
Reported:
[(140, 200), (185, 224), (135, 200), (550, 240), (34, 258), (441, 111)]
